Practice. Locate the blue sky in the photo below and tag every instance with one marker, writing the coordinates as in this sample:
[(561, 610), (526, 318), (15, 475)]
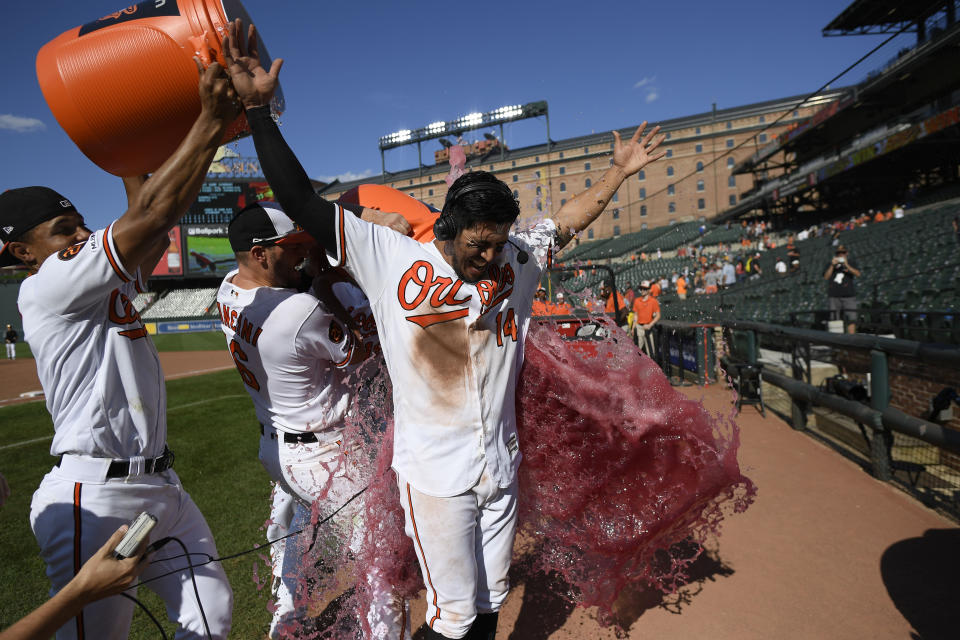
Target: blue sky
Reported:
[(357, 70)]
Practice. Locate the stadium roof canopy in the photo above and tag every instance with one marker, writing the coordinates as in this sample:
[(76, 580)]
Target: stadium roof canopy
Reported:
[(914, 78), (881, 16)]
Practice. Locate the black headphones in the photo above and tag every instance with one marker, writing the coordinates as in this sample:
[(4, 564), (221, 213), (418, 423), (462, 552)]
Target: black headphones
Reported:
[(445, 227)]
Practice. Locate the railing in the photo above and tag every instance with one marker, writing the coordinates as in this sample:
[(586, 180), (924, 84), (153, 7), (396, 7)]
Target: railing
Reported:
[(935, 479)]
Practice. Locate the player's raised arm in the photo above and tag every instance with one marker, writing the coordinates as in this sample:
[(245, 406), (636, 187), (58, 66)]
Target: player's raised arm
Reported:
[(288, 180), (163, 198), (628, 159), (283, 171)]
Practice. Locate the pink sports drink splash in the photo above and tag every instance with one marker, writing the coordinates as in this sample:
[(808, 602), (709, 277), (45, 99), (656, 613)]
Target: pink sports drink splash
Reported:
[(618, 466)]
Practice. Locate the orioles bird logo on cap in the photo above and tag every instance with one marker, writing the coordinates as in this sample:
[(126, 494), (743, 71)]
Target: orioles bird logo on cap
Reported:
[(336, 332)]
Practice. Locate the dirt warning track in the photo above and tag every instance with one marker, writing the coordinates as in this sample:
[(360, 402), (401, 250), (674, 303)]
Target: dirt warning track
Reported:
[(19, 377)]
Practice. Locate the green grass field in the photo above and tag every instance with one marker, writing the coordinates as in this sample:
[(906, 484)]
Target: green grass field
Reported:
[(201, 341), (213, 430)]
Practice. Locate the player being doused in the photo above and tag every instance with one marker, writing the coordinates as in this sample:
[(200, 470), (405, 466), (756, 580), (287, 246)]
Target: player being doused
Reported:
[(452, 316)]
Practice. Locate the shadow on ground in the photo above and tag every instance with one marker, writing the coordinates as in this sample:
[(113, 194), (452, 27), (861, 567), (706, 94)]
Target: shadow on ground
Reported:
[(920, 575), (545, 607)]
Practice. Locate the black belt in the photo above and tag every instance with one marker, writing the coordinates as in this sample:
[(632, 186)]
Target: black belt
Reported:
[(121, 468), (292, 438)]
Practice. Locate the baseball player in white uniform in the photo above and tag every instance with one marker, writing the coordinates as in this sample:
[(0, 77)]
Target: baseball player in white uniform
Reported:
[(294, 351), (103, 383), (452, 317)]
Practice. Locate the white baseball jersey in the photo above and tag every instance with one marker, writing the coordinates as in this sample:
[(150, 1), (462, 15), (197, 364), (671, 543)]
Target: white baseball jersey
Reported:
[(100, 371), (453, 350), (292, 354)]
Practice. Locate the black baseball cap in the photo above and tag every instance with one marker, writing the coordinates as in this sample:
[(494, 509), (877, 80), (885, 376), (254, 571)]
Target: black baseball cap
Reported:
[(264, 224), (23, 209)]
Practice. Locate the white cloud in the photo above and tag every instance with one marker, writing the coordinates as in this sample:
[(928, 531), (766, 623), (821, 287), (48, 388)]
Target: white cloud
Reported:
[(347, 176), (20, 124), (652, 95), (644, 82)]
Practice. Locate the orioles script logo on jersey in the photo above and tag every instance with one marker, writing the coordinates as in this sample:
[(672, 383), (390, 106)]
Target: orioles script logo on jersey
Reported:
[(419, 282), (71, 252), (123, 312)]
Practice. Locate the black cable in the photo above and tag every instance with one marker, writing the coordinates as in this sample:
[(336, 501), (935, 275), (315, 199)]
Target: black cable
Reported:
[(196, 591), (147, 611), (210, 558)]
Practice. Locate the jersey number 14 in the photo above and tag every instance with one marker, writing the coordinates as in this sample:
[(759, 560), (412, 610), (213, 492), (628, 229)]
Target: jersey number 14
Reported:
[(506, 327)]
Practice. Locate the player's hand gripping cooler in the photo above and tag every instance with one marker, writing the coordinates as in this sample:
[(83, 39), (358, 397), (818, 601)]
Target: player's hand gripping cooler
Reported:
[(619, 471), (142, 58)]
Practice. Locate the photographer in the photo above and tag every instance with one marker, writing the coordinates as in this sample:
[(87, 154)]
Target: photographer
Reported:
[(841, 294)]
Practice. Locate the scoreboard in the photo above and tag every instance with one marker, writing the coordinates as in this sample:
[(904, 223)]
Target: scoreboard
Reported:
[(219, 200), (199, 245)]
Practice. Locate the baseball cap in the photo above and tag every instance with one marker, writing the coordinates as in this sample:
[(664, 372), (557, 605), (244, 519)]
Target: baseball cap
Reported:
[(644, 284), (841, 249), (263, 224), (25, 208)]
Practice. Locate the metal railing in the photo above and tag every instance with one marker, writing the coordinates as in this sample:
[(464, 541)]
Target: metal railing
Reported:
[(896, 443)]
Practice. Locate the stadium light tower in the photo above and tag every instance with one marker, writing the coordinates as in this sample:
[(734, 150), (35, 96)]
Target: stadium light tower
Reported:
[(469, 122)]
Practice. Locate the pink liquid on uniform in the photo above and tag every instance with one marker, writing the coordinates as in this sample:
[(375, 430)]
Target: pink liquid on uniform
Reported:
[(617, 466)]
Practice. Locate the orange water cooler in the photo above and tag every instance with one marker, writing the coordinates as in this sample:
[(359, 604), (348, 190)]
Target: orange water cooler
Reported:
[(124, 86)]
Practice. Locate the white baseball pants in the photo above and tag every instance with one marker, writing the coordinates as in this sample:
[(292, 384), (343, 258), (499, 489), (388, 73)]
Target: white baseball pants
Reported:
[(72, 515), (317, 472), (464, 544), (11, 351)]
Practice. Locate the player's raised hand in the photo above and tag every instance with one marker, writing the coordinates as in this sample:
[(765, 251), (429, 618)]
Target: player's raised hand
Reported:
[(637, 153), (253, 83), (218, 99)]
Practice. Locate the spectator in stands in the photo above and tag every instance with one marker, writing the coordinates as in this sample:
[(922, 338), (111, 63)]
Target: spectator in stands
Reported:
[(655, 289), (664, 283), (646, 313), (620, 307), (540, 303), (781, 266), (841, 292), (898, 211), (681, 285), (629, 295), (879, 217), (956, 230), (729, 273), (712, 279), (741, 272), (794, 257), (560, 307), (659, 253), (753, 267)]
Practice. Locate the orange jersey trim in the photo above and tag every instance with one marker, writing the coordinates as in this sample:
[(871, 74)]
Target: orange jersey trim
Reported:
[(77, 558), (107, 237), (422, 555)]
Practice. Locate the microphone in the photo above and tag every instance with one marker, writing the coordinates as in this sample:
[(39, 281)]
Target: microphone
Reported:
[(522, 256)]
